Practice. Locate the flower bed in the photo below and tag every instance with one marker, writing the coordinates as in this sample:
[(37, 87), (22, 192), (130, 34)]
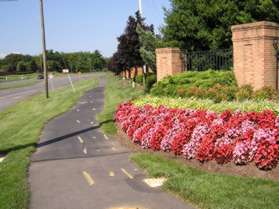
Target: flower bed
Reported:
[(204, 135)]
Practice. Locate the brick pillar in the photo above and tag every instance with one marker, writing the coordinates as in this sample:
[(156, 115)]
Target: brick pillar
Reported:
[(169, 61), (254, 54)]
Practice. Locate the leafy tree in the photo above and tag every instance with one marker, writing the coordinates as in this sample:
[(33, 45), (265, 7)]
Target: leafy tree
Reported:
[(32, 66), (115, 65), (21, 66), (206, 24), (53, 65), (128, 50), (149, 42), (77, 61)]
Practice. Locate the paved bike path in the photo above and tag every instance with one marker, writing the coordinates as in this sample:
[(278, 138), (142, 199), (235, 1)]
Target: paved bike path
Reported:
[(77, 167)]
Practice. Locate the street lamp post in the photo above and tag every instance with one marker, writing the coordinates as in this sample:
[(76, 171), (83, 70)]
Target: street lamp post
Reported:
[(44, 48), (140, 7)]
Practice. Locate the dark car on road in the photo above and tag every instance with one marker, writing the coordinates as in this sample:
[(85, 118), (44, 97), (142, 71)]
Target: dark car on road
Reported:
[(40, 77)]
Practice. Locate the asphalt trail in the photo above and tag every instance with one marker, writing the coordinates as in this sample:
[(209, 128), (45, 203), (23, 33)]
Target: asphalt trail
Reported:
[(77, 167)]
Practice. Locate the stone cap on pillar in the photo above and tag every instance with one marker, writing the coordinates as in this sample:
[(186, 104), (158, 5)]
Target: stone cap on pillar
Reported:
[(256, 30), (168, 50)]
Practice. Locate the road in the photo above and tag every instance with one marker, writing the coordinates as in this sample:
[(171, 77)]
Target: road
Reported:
[(11, 96), (77, 166)]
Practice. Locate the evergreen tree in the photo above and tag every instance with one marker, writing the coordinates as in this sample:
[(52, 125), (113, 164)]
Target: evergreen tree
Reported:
[(206, 24)]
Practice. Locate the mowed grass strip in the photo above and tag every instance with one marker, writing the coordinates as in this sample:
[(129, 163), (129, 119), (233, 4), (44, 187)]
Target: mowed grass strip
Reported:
[(17, 84), (116, 92), (209, 190), (20, 128)]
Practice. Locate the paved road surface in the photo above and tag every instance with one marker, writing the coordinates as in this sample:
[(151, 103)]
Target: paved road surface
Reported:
[(11, 96), (78, 167)]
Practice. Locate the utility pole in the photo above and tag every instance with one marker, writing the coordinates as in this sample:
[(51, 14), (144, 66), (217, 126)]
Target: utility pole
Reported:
[(140, 7), (44, 48)]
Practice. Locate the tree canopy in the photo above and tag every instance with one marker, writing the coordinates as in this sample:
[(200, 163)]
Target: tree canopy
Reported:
[(206, 24), (76, 61), (128, 50)]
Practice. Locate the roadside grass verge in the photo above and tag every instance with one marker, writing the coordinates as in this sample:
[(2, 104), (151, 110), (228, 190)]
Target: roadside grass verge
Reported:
[(116, 91), (20, 128), (17, 84), (18, 77), (210, 190)]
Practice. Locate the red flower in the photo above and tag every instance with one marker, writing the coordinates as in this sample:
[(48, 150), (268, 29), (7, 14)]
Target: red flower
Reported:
[(224, 153), (267, 155), (206, 150), (204, 135)]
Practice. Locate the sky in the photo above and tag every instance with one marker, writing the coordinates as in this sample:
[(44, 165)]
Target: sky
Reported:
[(71, 25)]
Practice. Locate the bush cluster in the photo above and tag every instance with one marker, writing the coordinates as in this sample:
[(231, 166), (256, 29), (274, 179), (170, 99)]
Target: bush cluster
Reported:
[(236, 137), (215, 85), (150, 81)]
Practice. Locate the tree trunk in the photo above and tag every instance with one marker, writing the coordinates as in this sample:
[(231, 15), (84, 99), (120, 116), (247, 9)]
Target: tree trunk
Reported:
[(129, 74)]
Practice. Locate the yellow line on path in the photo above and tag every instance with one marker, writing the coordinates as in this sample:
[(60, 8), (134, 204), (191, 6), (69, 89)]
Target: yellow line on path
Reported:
[(106, 137), (88, 178), (127, 173), (80, 140), (111, 174)]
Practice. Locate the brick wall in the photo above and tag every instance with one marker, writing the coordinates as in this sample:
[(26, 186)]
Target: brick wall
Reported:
[(169, 61), (254, 54)]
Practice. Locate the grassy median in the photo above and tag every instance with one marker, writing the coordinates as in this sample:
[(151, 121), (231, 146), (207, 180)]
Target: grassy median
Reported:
[(210, 190), (17, 84), (116, 91), (20, 128)]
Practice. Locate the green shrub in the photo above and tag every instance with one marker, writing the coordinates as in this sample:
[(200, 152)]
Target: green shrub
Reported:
[(215, 85), (195, 91), (139, 79), (265, 93), (181, 91), (182, 84), (220, 93), (150, 81), (243, 93)]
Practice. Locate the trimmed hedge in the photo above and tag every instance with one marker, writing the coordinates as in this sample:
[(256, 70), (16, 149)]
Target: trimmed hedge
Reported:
[(172, 85), (215, 85)]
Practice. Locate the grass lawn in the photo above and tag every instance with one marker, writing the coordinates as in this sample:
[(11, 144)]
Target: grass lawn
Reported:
[(17, 84), (208, 190), (18, 77), (116, 91), (20, 128)]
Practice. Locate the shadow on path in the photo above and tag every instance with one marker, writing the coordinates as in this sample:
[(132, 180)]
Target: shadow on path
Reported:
[(52, 141)]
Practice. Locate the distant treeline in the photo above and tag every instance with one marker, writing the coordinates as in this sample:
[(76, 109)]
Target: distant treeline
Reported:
[(75, 62)]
